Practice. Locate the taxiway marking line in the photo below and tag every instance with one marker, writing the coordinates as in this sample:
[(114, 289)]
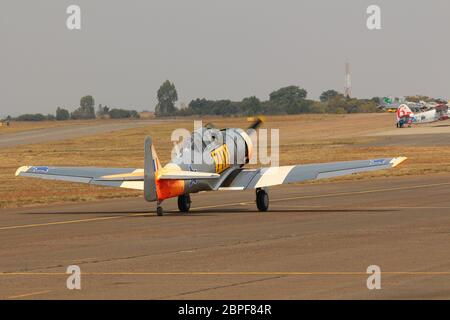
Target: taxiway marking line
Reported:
[(331, 195), (363, 191), (245, 273), (69, 221), (29, 294), (228, 204), (358, 208)]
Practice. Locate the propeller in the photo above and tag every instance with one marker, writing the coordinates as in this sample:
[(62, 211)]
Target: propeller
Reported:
[(257, 122), (210, 125)]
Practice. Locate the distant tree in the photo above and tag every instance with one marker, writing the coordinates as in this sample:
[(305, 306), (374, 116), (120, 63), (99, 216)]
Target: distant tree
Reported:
[(102, 111), (31, 117), (337, 104), (117, 113), (199, 106), (134, 114), (329, 94), (290, 93), (299, 106), (318, 107), (367, 107), (86, 109), (287, 100), (212, 107), (222, 107), (251, 106), (87, 102), (418, 98), (376, 100), (62, 114), (167, 96)]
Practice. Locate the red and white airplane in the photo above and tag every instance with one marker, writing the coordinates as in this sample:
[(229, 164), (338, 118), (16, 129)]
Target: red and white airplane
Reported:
[(405, 116)]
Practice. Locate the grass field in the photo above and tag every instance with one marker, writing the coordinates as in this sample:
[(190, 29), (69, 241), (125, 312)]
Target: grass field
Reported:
[(303, 139)]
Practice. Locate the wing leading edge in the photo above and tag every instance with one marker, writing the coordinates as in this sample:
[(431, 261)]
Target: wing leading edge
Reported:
[(272, 176)]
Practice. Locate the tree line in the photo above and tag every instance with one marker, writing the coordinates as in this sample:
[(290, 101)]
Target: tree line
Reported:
[(286, 100), (86, 110)]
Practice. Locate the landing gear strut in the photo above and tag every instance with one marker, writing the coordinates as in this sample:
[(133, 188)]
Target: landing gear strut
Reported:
[(184, 203), (262, 200)]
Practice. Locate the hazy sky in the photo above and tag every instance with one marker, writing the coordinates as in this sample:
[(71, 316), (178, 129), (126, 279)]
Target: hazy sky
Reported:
[(216, 49)]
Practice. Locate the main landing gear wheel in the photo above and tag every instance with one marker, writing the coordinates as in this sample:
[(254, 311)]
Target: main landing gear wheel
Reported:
[(184, 203), (262, 200)]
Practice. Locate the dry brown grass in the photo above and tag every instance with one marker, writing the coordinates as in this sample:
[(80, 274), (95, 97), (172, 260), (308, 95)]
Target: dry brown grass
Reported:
[(303, 139)]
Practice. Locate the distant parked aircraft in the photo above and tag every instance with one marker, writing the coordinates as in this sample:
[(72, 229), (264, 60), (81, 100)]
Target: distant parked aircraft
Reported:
[(405, 116)]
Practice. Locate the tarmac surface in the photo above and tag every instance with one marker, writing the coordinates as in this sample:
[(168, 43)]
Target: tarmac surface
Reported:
[(432, 134), (67, 132), (316, 242), (412, 140)]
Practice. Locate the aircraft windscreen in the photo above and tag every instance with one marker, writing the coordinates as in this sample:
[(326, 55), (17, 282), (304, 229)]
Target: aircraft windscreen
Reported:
[(199, 141), (193, 143)]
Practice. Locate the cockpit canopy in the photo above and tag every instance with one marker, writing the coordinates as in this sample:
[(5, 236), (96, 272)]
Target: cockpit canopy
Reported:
[(203, 139)]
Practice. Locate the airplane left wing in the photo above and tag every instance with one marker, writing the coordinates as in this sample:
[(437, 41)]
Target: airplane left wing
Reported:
[(128, 178), (272, 176)]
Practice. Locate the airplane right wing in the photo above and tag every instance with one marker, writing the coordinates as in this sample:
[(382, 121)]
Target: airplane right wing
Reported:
[(272, 176)]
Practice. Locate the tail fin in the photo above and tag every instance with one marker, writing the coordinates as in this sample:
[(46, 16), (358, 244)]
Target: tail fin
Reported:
[(151, 165)]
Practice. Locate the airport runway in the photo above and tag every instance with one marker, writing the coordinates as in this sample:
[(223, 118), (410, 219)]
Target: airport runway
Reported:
[(68, 132), (316, 242)]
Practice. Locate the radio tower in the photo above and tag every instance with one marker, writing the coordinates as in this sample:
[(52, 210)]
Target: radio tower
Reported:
[(348, 82)]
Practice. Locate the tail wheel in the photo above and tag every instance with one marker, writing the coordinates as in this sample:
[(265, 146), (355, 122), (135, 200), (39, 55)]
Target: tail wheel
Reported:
[(262, 200), (184, 203), (159, 211)]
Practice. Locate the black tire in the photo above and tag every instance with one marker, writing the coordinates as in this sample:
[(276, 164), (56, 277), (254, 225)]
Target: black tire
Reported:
[(159, 211), (184, 203), (262, 200)]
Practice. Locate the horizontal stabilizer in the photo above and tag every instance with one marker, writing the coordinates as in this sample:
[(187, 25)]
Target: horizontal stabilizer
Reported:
[(137, 175), (187, 175)]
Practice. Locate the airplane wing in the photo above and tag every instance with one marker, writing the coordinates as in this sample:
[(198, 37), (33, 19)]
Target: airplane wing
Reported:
[(129, 178), (271, 176)]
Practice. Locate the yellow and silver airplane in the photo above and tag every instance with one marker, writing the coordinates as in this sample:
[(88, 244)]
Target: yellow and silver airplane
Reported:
[(223, 155)]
